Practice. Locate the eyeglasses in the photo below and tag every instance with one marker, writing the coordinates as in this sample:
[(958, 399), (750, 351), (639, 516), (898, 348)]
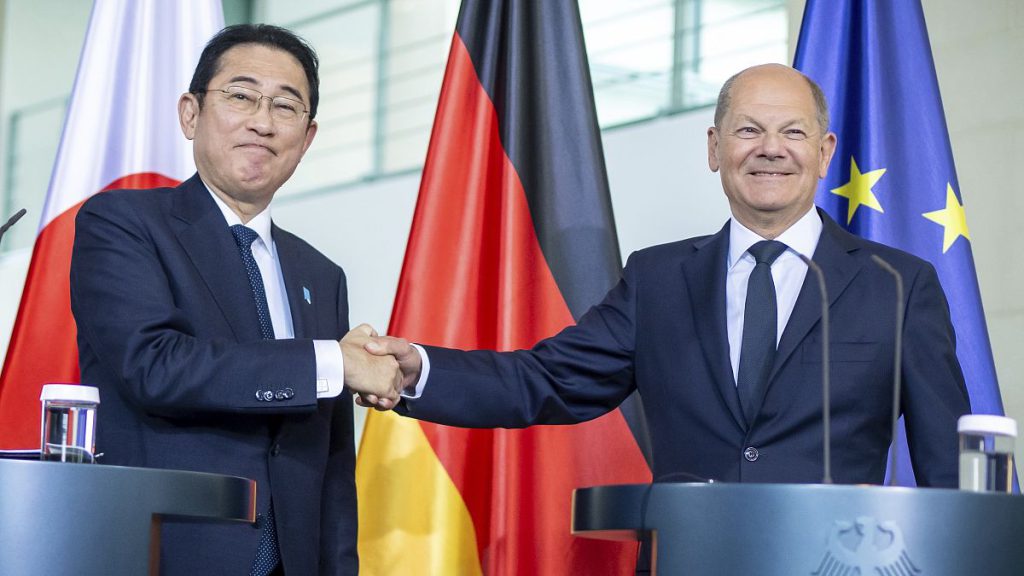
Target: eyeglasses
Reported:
[(247, 100)]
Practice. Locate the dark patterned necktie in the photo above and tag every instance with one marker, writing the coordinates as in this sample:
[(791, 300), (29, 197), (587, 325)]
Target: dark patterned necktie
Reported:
[(245, 237), (267, 555), (760, 326)]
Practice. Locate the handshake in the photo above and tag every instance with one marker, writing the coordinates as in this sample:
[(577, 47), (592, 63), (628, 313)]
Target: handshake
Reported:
[(378, 368)]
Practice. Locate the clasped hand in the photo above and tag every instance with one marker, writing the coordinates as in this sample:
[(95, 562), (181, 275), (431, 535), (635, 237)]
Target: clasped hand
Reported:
[(378, 368)]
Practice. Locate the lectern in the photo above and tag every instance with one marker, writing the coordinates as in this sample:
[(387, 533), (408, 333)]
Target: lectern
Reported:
[(811, 530), (58, 518)]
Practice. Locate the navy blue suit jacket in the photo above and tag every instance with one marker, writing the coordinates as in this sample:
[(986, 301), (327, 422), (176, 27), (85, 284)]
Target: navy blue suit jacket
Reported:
[(167, 329), (662, 330)]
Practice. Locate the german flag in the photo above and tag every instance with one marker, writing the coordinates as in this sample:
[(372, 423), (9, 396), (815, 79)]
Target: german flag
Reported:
[(512, 240)]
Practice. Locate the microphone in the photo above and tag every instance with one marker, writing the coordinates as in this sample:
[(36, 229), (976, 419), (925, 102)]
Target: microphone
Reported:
[(17, 216), (897, 360), (826, 412)]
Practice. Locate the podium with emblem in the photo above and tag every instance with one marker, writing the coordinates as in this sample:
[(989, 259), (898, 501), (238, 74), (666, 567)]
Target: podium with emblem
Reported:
[(812, 530)]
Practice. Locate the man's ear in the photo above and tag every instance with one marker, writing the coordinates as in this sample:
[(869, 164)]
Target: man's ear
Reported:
[(828, 148), (188, 114), (713, 149), (310, 133)]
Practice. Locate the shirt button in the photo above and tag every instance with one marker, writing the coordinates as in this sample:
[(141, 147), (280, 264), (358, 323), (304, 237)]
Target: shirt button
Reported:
[(751, 454)]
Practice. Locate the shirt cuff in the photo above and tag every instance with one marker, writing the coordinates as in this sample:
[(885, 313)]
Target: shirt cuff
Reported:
[(330, 368), (414, 392)]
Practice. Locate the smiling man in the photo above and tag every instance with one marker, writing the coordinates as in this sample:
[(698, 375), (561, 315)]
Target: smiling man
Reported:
[(213, 335), (721, 334), (771, 145)]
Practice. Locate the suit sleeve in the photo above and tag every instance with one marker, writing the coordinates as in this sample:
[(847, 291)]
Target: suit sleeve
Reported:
[(579, 374), (132, 324), (934, 395)]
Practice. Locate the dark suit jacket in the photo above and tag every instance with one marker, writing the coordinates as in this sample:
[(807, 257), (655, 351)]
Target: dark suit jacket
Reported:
[(662, 330), (167, 329)]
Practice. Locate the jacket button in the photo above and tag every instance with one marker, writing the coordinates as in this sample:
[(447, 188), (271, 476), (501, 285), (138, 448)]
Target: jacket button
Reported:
[(275, 449), (279, 395), (288, 393), (268, 395), (259, 395), (751, 454)]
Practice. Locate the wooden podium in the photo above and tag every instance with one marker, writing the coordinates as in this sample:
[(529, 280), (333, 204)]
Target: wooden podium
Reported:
[(90, 519), (811, 530)]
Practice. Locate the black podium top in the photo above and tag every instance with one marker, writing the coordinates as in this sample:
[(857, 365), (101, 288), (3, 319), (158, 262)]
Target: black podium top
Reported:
[(58, 518), (813, 530)]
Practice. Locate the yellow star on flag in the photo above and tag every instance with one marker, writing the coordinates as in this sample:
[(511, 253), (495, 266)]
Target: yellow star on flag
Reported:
[(952, 218), (858, 190)]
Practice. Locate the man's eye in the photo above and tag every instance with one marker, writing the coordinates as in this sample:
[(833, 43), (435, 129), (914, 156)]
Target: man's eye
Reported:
[(795, 134), (285, 106), (747, 132), (241, 97)]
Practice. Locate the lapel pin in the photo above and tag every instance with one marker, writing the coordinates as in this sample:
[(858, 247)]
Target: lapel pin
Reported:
[(306, 295)]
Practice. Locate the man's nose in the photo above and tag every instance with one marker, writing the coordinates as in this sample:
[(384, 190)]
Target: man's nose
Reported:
[(773, 145), (261, 119)]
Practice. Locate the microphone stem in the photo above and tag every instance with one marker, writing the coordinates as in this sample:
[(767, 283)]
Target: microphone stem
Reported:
[(826, 418), (826, 384), (897, 363)]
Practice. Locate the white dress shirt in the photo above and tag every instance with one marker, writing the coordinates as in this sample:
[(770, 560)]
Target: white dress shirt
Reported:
[(330, 364), (788, 273)]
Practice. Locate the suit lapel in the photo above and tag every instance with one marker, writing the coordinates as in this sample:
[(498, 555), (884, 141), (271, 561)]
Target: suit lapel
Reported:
[(298, 286), (705, 279), (839, 268), (205, 237)]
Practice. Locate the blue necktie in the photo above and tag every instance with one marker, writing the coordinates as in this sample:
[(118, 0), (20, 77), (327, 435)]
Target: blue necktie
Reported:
[(760, 326), (267, 555)]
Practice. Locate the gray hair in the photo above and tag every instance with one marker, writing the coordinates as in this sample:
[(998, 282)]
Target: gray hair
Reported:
[(820, 104)]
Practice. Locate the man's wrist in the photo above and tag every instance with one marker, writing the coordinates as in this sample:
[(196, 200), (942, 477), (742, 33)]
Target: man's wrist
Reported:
[(415, 390), (330, 368)]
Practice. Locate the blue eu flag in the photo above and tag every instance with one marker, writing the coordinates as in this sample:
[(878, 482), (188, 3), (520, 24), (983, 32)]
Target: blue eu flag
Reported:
[(892, 178)]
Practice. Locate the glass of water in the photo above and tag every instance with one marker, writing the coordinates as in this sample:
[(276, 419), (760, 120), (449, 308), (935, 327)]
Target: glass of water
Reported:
[(68, 432), (986, 452)]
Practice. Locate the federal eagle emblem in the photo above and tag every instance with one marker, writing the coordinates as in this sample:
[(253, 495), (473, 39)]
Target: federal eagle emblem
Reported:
[(866, 547)]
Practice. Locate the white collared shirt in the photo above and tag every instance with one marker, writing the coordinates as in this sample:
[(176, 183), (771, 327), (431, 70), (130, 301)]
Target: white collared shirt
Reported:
[(788, 273), (330, 364)]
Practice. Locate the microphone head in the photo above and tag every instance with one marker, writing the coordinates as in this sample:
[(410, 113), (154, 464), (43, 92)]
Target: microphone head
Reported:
[(10, 222)]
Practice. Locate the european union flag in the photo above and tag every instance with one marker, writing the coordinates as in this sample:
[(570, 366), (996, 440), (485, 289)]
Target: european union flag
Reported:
[(892, 178)]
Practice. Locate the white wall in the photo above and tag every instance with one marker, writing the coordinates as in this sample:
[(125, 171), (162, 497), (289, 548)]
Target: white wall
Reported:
[(38, 60)]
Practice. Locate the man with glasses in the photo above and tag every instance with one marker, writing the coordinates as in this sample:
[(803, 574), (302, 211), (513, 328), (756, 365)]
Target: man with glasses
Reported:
[(216, 338)]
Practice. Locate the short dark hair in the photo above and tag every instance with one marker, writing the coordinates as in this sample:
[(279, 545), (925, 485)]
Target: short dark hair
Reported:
[(820, 103), (264, 35)]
